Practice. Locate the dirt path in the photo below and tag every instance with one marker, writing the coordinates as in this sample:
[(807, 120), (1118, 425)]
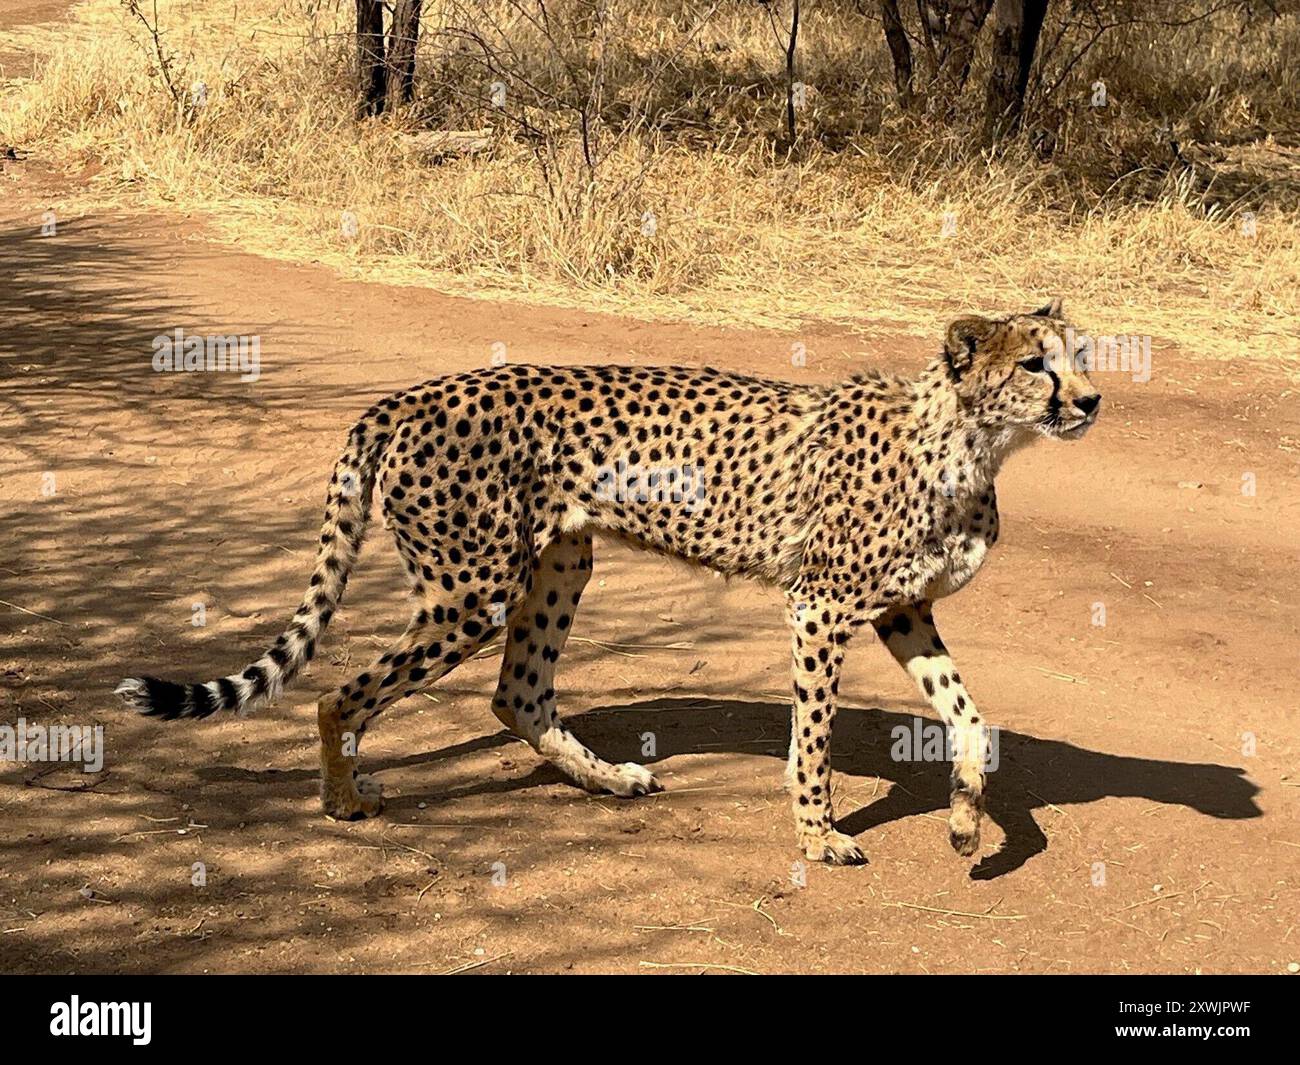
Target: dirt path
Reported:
[(1135, 830), (17, 62)]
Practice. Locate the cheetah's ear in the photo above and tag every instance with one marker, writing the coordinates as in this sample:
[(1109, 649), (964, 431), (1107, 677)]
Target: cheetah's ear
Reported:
[(964, 338), (1055, 309)]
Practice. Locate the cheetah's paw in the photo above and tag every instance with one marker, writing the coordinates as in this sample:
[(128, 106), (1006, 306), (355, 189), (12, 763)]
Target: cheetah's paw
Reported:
[(364, 799), (834, 848), (630, 779)]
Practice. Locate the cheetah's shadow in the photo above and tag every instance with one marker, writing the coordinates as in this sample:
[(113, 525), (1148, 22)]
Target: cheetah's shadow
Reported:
[(1031, 773)]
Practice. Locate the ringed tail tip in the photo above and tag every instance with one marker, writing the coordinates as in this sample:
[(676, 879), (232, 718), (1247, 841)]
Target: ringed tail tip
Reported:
[(163, 698)]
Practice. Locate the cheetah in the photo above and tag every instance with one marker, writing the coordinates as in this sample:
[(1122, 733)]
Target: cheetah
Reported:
[(863, 502)]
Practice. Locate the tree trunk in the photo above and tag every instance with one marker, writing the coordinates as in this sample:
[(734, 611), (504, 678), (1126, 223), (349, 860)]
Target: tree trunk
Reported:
[(1015, 40), (954, 52), (403, 36), (1035, 15), (900, 50), (372, 77), (933, 15), (1000, 104), (789, 70)]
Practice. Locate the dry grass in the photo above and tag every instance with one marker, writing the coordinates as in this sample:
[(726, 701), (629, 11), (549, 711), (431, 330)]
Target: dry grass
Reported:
[(847, 227)]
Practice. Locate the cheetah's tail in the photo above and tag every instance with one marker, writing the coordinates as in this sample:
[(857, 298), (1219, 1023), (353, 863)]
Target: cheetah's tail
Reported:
[(347, 509)]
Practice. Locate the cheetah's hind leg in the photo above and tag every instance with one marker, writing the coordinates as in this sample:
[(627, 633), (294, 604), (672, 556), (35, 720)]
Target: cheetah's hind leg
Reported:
[(439, 637), (525, 696)]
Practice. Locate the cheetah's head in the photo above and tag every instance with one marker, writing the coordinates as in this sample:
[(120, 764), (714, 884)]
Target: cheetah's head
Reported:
[(1015, 374)]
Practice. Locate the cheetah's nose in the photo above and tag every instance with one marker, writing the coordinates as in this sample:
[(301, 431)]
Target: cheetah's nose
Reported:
[(1088, 404)]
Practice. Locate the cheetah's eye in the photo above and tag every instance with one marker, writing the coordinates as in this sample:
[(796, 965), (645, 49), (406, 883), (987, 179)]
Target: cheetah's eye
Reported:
[(1034, 365)]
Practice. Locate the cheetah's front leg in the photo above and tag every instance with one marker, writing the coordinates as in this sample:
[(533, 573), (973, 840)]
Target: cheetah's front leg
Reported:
[(912, 639), (818, 638)]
